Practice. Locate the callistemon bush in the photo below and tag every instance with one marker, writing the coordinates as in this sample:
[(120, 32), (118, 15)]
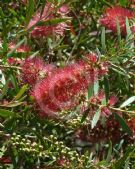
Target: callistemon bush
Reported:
[(116, 15), (49, 13), (64, 89), (34, 69)]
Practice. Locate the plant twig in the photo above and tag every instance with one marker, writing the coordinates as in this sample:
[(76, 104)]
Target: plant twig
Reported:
[(12, 67)]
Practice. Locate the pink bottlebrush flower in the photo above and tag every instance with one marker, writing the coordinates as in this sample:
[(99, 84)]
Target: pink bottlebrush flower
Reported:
[(34, 69), (105, 111), (24, 2), (60, 29), (11, 60), (103, 68), (92, 58), (97, 99), (64, 9), (101, 95), (63, 161), (45, 15), (14, 61), (41, 31), (48, 14), (62, 90), (109, 19), (5, 160), (20, 49), (113, 100)]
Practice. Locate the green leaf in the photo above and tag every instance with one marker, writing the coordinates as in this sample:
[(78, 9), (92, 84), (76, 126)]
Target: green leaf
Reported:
[(90, 91), (103, 39), (2, 78), (30, 11), (5, 89), (108, 159), (13, 50), (53, 21), (96, 87), (119, 163), (13, 104), (123, 124), (21, 92), (85, 114), (129, 32), (6, 113), (95, 119), (107, 88), (14, 82), (123, 2), (127, 163), (128, 101), (47, 23), (118, 30)]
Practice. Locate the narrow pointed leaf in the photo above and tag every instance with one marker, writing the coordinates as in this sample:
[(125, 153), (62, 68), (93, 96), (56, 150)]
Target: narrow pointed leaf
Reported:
[(123, 124), (95, 119), (6, 113), (128, 101)]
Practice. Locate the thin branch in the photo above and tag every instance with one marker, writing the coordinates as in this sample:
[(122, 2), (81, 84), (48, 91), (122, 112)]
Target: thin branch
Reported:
[(11, 67)]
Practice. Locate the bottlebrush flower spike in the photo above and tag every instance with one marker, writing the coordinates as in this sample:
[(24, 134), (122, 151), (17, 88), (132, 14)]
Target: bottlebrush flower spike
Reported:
[(34, 69), (113, 100), (45, 15), (63, 89), (64, 9), (49, 13), (109, 19), (105, 111), (14, 61), (20, 49), (5, 160)]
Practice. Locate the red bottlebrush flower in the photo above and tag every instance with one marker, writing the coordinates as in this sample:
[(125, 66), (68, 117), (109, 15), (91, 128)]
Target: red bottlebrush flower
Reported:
[(103, 68), (101, 95), (113, 100), (48, 13), (20, 49), (45, 15), (131, 124), (62, 90), (5, 160), (92, 58), (63, 161), (13, 61), (109, 20), (105, 111), (40, 31), (64, 9), (24, 2), (34, 69)]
